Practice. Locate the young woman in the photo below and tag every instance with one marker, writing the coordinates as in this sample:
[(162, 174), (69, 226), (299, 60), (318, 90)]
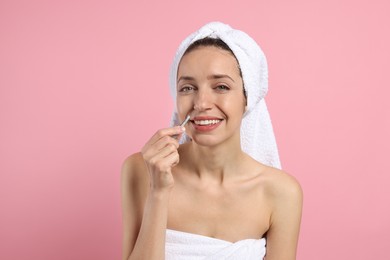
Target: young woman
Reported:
[(218, 193)]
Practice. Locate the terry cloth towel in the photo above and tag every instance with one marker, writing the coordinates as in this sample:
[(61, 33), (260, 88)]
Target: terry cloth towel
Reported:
[(188, 246), (257, 136)]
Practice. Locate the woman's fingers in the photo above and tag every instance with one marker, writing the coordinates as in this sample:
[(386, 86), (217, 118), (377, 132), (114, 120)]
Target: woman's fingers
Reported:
[(165, 151), (165, 141), (162, 145), (161, 172), (161, 139), (172, 131), (160, 155), (165, 159)]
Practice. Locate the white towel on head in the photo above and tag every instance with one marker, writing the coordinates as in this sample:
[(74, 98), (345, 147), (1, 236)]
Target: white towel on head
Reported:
[(187, 246), (257, 136)]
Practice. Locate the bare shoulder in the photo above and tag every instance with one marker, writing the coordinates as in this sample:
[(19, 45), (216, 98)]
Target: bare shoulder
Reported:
[(134, 186), (281, 186), (133, 160), (275, 183), (133, 166), (134, 174), (286, 198), (282, 182)]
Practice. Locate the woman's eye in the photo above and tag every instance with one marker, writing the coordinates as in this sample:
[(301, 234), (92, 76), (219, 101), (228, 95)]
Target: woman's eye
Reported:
[(186, 89), (222, 87)]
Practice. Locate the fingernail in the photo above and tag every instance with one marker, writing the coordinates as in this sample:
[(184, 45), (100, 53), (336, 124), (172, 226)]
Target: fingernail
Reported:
[(183, 129)]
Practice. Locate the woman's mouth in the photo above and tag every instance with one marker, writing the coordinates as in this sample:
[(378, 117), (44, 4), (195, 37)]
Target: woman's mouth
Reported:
[(204, 124), (207, 122)]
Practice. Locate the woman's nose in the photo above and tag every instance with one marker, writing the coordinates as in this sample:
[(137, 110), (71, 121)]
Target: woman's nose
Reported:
[(202, 101)]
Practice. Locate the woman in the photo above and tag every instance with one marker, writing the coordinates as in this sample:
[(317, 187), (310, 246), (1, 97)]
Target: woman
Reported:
[(219, 193)]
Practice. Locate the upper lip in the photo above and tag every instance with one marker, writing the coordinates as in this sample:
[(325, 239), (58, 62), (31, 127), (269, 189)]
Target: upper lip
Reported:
[(198, 118)]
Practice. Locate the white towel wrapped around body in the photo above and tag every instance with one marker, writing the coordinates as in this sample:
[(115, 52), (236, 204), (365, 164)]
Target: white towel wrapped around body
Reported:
[(187, 246), (257, 136)]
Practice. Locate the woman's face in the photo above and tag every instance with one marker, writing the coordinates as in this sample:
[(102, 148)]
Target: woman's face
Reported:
[(210, 90)]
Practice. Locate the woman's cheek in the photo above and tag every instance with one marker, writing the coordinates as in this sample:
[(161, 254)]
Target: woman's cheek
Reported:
[(183, 107)]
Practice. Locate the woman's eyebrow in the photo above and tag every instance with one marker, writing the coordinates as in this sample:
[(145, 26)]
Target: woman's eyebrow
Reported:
[(185, 78), (219, 76), (213, 76)]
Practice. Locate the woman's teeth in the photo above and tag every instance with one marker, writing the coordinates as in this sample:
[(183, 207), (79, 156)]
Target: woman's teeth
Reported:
[(206, 122)]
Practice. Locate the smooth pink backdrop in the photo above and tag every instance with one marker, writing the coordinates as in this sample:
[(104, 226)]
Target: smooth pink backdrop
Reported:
[(83, 84)]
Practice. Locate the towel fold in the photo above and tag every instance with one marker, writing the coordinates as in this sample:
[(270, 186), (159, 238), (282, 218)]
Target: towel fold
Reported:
[(188, 246), (257, 136)]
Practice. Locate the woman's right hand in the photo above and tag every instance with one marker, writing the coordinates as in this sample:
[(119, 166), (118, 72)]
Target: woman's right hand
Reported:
[(160, 154)]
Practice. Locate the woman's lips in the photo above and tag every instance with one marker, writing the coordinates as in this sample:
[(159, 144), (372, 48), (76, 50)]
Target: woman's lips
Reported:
[(206, 124)]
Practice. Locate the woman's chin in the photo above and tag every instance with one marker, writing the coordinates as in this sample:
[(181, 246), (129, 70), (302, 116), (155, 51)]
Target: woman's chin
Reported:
[(206, 140)]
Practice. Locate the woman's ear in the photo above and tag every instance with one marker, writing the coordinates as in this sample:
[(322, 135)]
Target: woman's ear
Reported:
[(245, 108), (245, 100)]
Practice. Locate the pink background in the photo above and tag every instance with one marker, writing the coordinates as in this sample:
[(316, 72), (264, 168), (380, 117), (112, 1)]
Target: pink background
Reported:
[(83, 84)]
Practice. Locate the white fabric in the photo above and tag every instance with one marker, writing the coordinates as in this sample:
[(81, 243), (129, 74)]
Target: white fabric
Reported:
[(257, 136), (186, 246)]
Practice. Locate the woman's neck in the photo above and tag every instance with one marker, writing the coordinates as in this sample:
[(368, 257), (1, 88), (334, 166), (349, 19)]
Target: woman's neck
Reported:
[(214, 162)]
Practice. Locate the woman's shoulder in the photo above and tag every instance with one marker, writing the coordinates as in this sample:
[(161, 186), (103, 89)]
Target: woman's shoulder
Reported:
[(281, 186), (134, 171), (134, 160), (275, 182)]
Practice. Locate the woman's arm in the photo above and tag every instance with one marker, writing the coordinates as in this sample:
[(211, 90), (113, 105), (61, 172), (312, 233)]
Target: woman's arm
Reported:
[(282, 237), (146, 185), (144, 217), (133, 197)]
